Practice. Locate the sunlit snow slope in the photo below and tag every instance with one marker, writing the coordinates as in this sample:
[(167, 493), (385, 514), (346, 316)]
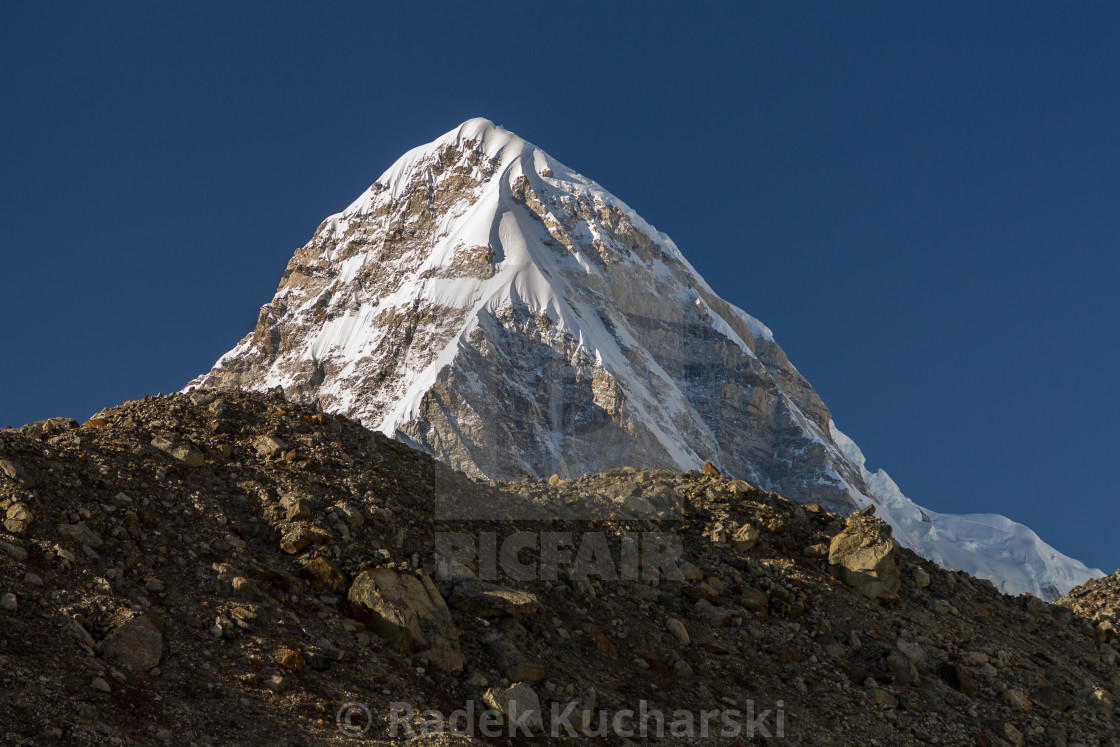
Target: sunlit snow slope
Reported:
[(485, 303)]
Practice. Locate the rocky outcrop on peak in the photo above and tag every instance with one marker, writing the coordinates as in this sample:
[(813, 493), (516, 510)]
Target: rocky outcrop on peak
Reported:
[(292, 585)]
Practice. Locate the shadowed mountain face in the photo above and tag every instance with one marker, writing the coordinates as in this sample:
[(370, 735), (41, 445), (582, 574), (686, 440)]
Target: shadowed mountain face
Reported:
[(486, 304)]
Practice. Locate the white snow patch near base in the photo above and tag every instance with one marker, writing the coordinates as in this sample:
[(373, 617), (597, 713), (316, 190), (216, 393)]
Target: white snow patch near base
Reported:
[(988, 546)]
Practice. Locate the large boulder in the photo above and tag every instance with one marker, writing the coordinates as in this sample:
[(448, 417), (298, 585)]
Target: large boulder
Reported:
[(134, 643), (520, 704), (407, 610), (18, 519), (865, 556)]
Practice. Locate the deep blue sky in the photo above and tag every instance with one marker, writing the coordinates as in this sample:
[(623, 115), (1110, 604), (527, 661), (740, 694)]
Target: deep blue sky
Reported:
[(921, 200)]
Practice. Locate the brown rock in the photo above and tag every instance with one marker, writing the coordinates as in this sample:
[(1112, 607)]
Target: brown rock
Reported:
[(602, 643), (866, 556), (293, 661), (298, 537), (326, 576)]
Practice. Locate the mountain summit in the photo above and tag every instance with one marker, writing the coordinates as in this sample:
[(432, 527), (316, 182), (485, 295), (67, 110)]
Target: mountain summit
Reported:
[(488, 305)]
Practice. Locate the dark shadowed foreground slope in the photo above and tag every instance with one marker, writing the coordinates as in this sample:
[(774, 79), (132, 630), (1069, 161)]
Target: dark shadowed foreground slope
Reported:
[(231, 568)]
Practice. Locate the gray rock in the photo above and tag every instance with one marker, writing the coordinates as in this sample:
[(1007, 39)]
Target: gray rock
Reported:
[(11, 470), (8, 602), (203, 398), (481, 599), (13, 551), (717, 617), (902, 669), (18, 519), (912, 651), (244, 617), (326, 576), (296, 508), (185, 453), (1057, 736), (78, 632), (317, 661), (79, 534), (921, 578), (1052, 697), (637, 506), (269, 447), (1101, 702), (520, 704), (1016, 700), (134, 642), (583, 710), (677, 628), (1007, 732), (514, 665), (407, 611)]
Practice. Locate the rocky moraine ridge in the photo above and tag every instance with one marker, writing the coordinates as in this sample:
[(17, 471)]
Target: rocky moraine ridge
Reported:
[(223, 567)]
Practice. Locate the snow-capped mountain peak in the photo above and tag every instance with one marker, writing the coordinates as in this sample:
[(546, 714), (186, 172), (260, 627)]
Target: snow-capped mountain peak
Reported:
[(485, 303)]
